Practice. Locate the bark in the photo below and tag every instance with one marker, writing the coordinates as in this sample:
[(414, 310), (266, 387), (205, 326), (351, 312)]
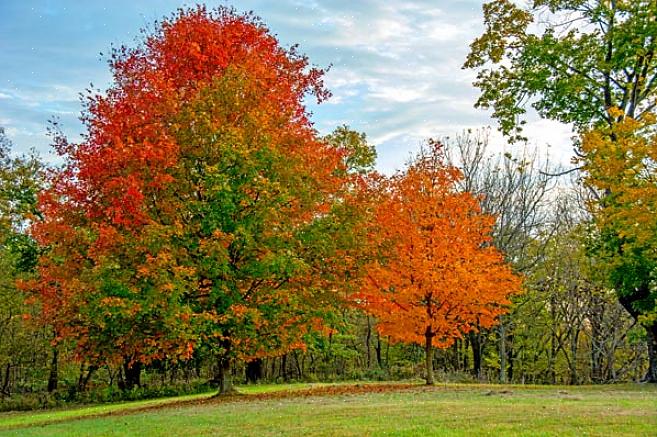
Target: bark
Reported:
[(475, 341), (5, 385), (428, 348), (379, 359), (651, 375), (53, 376), (511, 356), (131, 374), (367, 342), (298, 365), (574, 338), (83, 379), (254, 370), (651, 331), (597, 341), (502, 352), (225, 377), (284, 368)]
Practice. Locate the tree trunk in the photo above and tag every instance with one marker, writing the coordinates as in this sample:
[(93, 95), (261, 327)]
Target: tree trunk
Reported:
[(428, 349), (651, 331), (388, 353), (225, 377), (6, 383), (298, 365), (651, 375), (83, 379), (475, 341), (53, 376), (367, 343), (595, 317), (574, 338), (502, 351), (511, 357), (131, 374), (284, 368), (254, 370), (379, 359)]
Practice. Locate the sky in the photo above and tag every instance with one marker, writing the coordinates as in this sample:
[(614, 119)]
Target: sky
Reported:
[(395, 66)]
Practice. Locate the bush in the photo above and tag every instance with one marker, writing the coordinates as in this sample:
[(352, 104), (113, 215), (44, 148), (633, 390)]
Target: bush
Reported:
[(30, 401)]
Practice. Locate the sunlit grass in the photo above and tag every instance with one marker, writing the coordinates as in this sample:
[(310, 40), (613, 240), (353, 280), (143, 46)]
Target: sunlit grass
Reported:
[(452, 409)]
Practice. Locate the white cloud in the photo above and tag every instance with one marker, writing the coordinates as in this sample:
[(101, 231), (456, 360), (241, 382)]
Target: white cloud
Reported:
[(396, 66)]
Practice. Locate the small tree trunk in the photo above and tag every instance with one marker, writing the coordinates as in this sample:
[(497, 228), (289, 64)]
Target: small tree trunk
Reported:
[(511, 356), (254, 370), (574, 378), (6, 383), (367, 342), (388, 353), (428, 349), (131, 374), (595, 318), (502, 351), (651, 375), (83, 379), (379, 359), (53, 377), (297, 363), (284, 368)]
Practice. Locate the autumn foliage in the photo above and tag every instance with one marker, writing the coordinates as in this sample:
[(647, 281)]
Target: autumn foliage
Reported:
[(620, 163), (193, 218), (437, 276), (202, 215)]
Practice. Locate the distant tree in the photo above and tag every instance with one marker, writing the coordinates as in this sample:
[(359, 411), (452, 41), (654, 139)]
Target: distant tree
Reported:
[(591, 63), (360, 156), (21, 178), (438, 277), (516, 191)]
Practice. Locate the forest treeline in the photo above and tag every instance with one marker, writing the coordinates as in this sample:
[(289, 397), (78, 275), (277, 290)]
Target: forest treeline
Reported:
[(203, 232)]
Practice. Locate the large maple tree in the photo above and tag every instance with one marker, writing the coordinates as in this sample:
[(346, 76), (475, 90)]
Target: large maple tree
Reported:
[(437, 275), (201, 213)]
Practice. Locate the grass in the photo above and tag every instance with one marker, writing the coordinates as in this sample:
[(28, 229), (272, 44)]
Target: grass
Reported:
[(373, 409)]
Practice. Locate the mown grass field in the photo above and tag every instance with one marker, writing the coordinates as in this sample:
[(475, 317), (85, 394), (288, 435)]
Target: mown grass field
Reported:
[(364, 409)]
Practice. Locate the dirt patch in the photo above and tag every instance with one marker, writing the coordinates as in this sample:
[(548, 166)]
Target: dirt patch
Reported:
[(329, 390)]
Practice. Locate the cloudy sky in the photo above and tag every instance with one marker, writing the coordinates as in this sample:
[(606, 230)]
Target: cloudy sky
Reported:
[(396, 65)]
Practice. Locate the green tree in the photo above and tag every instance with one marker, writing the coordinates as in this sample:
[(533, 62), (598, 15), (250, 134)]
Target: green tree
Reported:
[(587, 62), (21, 177), (571, 60), (360, 156)]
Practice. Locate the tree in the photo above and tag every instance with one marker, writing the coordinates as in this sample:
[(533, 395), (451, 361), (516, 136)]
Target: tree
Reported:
[(360, 156), (202, 214), (621, 162), (585, 57), (438, 276), (589, 62), (516, 191), (21, 177)]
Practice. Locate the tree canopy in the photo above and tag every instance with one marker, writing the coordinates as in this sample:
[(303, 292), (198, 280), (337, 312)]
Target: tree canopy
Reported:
[(199, 213), (438, 277), (569, 60)]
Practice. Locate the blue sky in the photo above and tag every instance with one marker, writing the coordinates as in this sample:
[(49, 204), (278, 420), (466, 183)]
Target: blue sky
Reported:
[(396, 65)]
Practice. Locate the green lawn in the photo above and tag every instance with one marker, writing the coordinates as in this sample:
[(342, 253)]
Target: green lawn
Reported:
[(444, 410)]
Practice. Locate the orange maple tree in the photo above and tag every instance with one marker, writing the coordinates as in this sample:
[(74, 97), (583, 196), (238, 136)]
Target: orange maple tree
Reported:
[(436, 276)]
